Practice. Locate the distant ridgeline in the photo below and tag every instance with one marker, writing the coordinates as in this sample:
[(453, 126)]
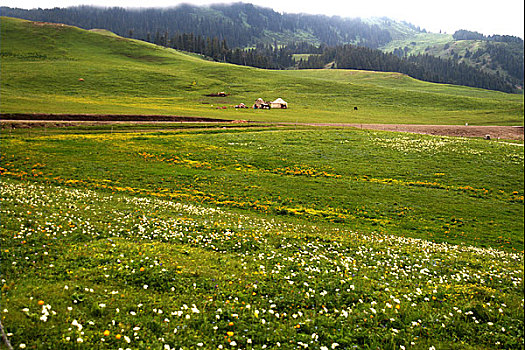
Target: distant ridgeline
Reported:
[(249, 35), (242, 25), (497, 52), (469, 35)]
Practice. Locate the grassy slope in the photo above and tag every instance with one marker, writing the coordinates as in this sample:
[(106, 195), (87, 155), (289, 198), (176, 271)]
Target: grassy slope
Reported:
[(444, 46), (417, 43), (41, 65)]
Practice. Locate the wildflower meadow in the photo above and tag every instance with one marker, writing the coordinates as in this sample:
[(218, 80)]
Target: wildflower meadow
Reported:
[(260, 238)]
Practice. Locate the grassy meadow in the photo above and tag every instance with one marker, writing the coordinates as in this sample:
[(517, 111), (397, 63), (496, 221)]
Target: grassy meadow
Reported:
[(420, 43), (42, 65), (225, 236), (252, 238)]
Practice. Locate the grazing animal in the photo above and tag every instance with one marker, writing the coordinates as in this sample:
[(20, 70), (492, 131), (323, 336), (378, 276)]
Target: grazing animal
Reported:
[(355, 108)]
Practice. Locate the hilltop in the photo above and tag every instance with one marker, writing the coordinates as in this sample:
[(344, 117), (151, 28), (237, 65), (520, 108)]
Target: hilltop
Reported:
[(42, 64)]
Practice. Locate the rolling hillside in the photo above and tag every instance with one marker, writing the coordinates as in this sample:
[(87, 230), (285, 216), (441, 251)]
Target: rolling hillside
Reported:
[(245, 26), (503, 59), (42, 65)]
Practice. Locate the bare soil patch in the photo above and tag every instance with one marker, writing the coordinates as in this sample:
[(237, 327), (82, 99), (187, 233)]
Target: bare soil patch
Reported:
[(104, 117), (24, 121)]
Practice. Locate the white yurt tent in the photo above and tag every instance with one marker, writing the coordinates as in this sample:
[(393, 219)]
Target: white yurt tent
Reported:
[(259, 102), (279, 103)]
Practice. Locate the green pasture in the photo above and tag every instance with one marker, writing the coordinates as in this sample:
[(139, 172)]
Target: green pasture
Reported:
[(219, 236), (207, 237), (437, 188), (419, 43), (42, 65)]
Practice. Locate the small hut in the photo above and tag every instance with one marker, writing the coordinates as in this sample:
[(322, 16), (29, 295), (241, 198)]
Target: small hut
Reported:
[(260, 104), (279, 103)]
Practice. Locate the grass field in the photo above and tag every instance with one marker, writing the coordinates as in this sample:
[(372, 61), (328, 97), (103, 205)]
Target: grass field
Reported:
[(42, 65), (209, 237), (217, 236), (419, 43)]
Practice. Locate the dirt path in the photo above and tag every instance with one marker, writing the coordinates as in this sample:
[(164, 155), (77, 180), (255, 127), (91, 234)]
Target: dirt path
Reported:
[(494, 132), (18, 120), (103, 118)]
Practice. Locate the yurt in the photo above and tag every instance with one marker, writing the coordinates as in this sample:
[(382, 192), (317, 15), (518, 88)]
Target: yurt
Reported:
[(259, 103), (279, 103)]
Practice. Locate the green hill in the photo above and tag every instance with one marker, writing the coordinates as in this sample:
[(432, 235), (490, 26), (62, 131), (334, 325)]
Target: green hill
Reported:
[(42, 65), (503, 59), (494, 62)]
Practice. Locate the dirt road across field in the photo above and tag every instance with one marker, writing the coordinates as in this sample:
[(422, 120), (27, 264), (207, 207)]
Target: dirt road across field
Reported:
[(494, 132), (19, 120), (36, 117)]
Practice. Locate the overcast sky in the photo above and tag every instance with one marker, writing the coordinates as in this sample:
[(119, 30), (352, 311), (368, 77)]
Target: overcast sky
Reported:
[(494, 17)]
